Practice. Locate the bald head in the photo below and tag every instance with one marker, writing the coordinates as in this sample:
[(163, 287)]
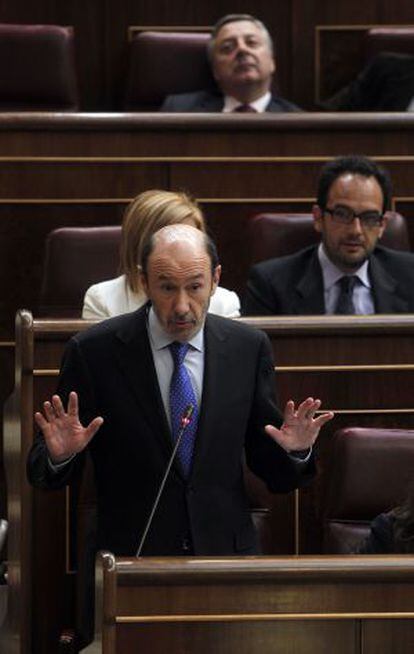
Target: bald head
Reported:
[(179, 274), (174, 234), (185, 238)]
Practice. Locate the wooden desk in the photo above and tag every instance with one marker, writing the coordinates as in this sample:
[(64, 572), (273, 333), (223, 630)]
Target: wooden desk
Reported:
[(353, 605)]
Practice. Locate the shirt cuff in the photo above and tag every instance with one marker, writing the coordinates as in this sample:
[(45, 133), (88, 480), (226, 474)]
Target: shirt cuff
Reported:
[(301, 457), (57, 467)]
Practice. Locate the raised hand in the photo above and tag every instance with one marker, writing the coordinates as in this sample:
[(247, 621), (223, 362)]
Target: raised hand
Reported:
[(300, 428), (63, 433)]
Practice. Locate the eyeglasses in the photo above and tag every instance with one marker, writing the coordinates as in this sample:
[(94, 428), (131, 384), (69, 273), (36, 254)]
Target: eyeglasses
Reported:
[(346, 216)]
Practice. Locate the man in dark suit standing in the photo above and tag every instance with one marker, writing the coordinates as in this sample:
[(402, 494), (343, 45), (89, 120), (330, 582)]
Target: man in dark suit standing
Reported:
[(348, 272), (122, 380), (242, 61)]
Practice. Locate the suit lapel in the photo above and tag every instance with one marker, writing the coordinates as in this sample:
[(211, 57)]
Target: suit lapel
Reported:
[(385, 289), (308, 296), (211, 103), (216, 368), (135, 359), (274, 106)]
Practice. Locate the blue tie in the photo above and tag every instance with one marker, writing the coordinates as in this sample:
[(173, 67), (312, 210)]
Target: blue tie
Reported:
[(181, 396)]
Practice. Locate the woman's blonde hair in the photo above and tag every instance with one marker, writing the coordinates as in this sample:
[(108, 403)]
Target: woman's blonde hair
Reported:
[(147, 213)]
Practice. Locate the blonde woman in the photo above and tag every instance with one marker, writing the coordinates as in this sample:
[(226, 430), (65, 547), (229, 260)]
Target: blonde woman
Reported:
[(147, 213)]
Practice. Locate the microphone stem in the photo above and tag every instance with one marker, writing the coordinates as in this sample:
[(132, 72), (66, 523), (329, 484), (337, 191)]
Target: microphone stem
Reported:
[(185, 423)]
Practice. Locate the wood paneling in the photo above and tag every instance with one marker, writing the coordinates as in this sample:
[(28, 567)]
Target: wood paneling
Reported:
[(81, 170), (233, 605)]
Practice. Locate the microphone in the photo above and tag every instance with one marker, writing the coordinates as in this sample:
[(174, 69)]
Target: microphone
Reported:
[(185, 421)]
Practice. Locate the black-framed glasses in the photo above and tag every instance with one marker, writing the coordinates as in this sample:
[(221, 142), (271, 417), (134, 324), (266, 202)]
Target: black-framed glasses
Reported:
[(346, 215)]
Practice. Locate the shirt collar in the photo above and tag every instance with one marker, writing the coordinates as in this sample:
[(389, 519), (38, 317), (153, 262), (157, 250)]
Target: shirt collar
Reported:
[(331, 273), (159, 339), (259, 105)]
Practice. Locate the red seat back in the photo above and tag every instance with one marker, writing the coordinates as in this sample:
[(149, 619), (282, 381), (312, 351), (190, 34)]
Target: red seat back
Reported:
[(164, 63), (37, 68)]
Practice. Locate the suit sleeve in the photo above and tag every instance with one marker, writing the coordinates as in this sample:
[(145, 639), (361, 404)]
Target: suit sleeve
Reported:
[(264, 457), (259, 299), (365, 91), (169, 105), (74, 376), (381, 536)]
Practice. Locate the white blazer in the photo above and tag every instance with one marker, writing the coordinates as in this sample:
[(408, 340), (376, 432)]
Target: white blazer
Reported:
[(113, 297)]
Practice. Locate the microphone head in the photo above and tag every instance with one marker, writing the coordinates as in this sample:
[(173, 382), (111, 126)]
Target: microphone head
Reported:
[(187, 415)]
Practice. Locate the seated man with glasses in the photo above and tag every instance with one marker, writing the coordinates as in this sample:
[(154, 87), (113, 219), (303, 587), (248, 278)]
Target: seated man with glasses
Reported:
[(348, 272)]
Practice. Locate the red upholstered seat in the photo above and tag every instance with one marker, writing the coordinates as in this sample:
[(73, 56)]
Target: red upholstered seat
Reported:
[(278, 234), (164, 63), (75, 258), (37, 68), (370, 473)]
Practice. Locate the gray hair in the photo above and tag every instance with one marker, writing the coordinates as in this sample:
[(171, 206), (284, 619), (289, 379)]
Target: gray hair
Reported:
[(235, 18)]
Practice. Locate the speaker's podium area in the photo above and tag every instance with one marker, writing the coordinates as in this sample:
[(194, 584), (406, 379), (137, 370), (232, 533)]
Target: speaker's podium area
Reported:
[(246, 605)]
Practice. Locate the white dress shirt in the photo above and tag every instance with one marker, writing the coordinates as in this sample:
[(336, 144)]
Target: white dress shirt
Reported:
[(163, 362), (259, 105)]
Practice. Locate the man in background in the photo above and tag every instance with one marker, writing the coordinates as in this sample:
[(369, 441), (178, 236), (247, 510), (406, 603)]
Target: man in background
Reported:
[(348, 272), (243, 64), (385, 84)]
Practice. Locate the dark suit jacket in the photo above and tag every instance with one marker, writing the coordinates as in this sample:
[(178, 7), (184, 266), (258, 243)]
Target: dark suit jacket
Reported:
[(381, 537), (385, 84), (293, 285), (207, 101), (111, 367)]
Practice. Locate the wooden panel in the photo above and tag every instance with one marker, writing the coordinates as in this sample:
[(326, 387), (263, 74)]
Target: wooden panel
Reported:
[(89, 179), (6, 387), (388, 636), (234, 605), (204, 638)]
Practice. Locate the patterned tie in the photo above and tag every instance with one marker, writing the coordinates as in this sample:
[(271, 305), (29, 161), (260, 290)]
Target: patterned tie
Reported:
[(244, 109), (345, 304), (181, 395)]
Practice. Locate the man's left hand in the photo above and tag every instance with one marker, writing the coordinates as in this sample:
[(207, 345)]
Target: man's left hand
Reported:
[(300, 428)]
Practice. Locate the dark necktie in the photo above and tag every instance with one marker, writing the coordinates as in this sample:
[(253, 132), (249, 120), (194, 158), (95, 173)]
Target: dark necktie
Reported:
[(181, 395), (245, 109), (345, 304)]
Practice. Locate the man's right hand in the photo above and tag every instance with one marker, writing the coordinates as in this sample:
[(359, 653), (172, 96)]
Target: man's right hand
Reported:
[(63, 433)]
